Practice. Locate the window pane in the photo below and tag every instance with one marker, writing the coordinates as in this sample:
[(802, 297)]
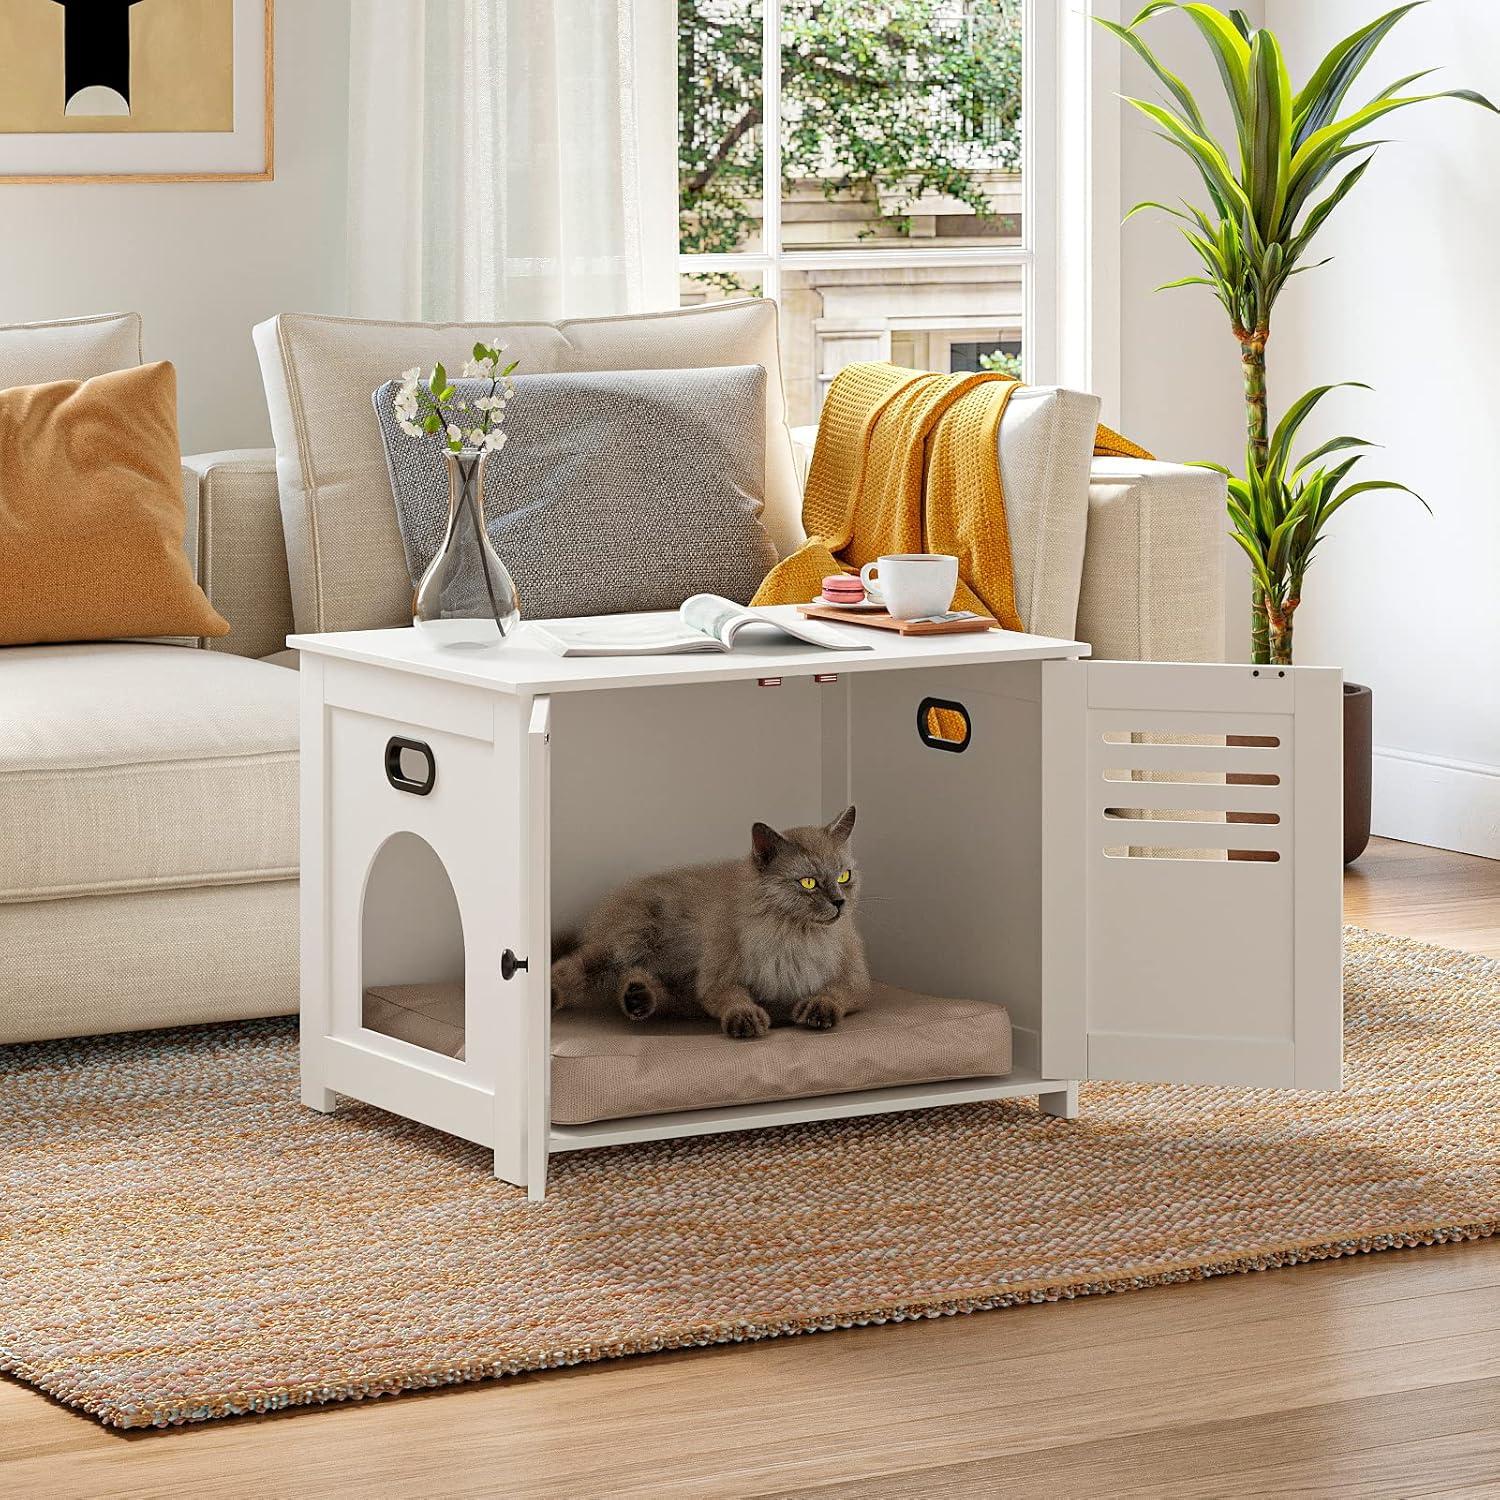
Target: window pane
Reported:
[(698, 287), (901, 123), (719, 114), (925, 317)]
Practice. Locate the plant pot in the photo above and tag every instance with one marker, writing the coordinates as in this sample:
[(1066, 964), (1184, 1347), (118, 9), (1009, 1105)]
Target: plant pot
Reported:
[(1358, 753)]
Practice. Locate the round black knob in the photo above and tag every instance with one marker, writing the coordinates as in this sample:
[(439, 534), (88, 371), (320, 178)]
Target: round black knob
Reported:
[(509, 963)]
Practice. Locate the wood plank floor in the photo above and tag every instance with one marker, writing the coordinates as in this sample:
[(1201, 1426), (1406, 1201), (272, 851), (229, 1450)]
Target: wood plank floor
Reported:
[(1374, 1376)]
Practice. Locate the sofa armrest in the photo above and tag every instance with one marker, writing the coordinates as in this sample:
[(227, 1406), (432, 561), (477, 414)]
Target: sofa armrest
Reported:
[(240, 551), (1153, 564)]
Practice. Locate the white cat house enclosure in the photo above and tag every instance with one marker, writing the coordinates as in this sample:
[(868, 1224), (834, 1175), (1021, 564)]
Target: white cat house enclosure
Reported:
[(1140, 862)]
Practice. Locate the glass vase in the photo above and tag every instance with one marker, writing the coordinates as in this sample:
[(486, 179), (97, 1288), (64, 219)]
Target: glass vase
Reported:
[(467, 596)]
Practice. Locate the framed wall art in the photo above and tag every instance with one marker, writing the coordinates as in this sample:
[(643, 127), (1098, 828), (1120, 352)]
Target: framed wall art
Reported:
[(136, 90)]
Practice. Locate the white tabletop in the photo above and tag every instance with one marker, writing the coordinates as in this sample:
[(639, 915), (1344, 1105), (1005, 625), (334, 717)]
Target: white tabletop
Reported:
[(523, 665)]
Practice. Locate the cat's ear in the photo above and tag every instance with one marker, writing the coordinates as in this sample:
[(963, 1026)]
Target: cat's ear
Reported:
[(842, 826), (764, 843)]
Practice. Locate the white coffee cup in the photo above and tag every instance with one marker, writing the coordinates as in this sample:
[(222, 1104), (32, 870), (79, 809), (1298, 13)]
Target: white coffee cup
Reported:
[(912, 585)]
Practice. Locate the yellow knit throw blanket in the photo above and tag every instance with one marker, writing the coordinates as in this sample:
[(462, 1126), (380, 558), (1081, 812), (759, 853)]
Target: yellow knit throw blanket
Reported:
[(908, 461)]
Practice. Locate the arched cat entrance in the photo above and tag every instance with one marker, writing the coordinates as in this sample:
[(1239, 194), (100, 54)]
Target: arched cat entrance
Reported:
[(412, 948)]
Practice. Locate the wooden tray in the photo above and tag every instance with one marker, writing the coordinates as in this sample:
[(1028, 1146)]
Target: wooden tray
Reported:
[(879, 619)]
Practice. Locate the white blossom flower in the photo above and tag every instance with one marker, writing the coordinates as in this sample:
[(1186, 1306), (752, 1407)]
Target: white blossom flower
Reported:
[(418, 415)]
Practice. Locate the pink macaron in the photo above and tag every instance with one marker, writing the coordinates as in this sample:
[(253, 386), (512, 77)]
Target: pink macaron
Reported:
[(843, 588)]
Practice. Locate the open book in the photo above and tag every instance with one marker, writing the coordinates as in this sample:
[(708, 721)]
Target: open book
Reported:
[(706, 622)]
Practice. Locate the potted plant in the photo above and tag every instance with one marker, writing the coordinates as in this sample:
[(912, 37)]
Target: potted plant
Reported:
[(1294, 156)]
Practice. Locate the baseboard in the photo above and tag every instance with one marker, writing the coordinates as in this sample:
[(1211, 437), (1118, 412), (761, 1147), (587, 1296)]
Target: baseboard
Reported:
[(1431, 799)]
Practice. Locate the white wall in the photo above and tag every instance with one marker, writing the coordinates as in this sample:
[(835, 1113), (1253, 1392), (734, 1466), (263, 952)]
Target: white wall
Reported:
[(1406, 602), (1180, 365), (202, 262)]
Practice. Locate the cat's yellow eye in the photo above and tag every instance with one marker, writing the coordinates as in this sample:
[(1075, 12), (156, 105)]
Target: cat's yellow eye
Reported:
[(844, 876), (808, 883)]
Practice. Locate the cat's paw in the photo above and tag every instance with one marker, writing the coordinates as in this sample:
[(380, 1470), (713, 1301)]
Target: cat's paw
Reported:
[(746, 1022), (567, 981), (641, 994), (818, 1012)]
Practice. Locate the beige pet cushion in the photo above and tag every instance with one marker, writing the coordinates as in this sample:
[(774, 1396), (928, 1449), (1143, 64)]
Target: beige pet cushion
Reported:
[(68, 349), (130, 767), (348, 570), (607, 1068)]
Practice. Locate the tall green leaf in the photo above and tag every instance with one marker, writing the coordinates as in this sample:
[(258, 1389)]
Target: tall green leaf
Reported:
[(1268, 165), (1202, 151), (1318, 146), (1321, 210), (1169, 80), (1319, 100), (1296, 414), (1373, 484)]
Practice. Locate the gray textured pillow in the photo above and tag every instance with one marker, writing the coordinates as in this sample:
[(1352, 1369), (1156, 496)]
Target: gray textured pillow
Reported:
[(616, 491)]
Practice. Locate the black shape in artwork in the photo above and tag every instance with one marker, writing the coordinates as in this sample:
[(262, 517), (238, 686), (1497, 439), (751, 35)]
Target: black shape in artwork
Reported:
[(96, 46)]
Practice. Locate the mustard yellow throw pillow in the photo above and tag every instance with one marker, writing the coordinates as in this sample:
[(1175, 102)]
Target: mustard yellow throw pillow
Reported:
[(91, 513)]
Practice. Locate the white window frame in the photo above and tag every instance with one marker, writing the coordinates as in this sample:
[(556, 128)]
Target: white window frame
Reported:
[(1037, 254)]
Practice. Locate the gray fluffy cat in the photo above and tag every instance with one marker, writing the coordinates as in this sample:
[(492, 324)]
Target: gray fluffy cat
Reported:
[(768, 937)]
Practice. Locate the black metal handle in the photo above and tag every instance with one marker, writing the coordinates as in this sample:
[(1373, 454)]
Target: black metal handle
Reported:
[(509, 963), (935, 741), (396, 774)]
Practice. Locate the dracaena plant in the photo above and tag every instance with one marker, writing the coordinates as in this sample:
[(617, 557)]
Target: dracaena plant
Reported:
[(1278, 511), (1294, 155)]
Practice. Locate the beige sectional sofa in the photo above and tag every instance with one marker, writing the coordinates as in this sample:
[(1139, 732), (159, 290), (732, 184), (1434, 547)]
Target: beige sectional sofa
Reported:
[(148, 827), (148, 791)]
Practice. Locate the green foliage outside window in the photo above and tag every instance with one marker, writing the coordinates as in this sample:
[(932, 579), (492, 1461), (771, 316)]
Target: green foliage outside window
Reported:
[(998, 362), (882, 100)]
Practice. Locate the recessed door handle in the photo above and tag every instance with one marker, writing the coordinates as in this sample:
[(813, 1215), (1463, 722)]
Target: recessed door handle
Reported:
[(410, 766)]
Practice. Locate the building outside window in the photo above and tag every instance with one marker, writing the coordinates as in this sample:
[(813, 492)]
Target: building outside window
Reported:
[(863, 162)]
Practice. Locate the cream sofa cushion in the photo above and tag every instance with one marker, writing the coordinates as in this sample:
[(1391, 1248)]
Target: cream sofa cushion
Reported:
[(344, 550), (68, 349), (241, 556), (1153, 569), (129, 767), (1046, 442), (147, 958)]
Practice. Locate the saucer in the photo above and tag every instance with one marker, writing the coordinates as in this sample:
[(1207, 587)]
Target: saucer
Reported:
[(863, 607)]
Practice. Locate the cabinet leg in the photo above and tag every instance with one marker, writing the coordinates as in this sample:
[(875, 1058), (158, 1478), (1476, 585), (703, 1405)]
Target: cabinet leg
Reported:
[(536, 1185), (315, 1096), (1063, 1103)]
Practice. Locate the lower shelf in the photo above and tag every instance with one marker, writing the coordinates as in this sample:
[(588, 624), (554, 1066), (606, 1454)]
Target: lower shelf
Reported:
[(1020, 1084)]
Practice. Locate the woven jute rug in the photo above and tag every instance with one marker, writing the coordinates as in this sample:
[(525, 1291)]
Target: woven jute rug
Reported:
[(180, 1239)]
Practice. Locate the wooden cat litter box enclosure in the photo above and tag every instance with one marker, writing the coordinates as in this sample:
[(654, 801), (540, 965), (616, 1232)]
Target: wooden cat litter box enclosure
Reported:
[(1046, 867)]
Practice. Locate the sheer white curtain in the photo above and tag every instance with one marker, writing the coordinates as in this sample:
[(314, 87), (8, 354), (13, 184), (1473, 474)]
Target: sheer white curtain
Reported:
[(512, 159)]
